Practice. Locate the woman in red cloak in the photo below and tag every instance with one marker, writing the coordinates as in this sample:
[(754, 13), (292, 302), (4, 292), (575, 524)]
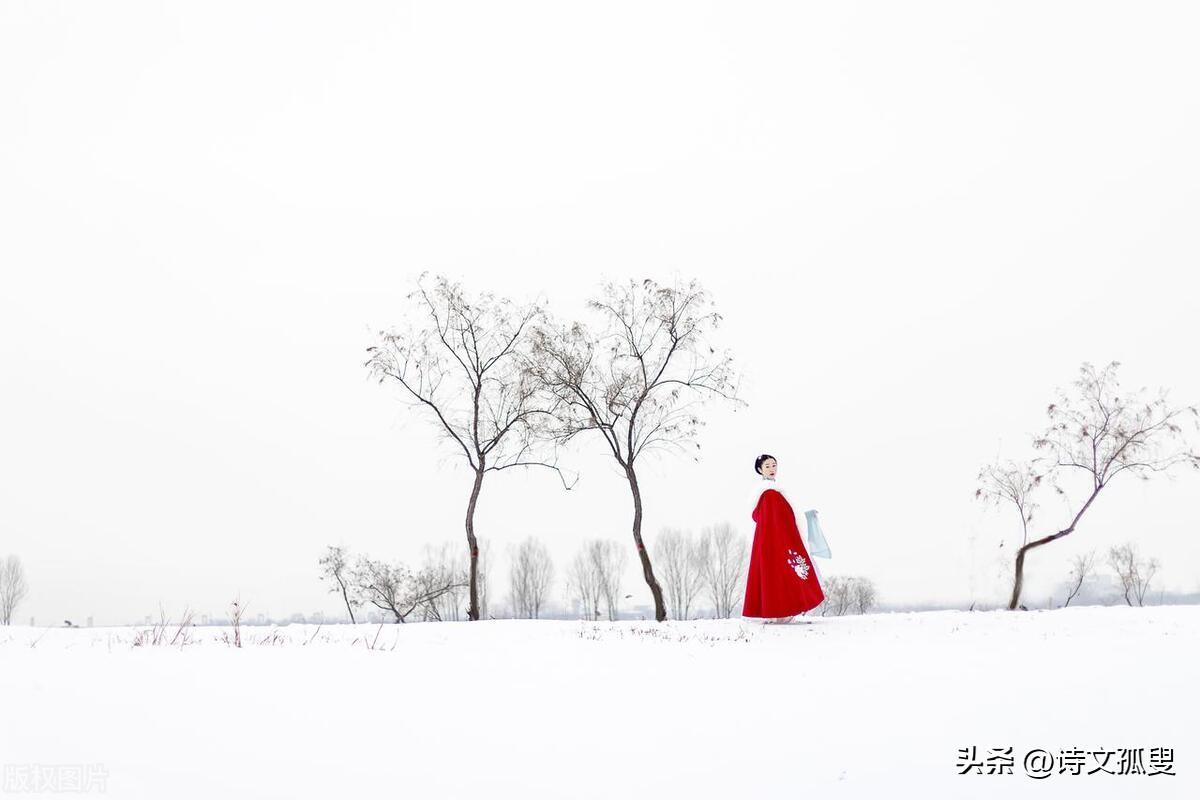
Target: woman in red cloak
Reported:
[(783, 580)]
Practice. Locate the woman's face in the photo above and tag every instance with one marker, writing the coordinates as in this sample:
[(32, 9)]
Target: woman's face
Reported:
[(768, 468)]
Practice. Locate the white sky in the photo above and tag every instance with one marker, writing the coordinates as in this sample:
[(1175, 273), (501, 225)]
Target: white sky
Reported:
[(917, 221)]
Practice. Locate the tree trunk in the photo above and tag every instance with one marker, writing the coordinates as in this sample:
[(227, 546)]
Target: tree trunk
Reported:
[(660, 610), (473, 608), (1019, 576), (346, 597)]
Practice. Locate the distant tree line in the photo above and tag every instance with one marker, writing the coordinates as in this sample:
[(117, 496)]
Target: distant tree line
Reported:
[(701, 576), (1132, 573)]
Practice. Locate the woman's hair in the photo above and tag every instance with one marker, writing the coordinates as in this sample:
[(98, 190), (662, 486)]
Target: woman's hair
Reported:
[(758, 462)]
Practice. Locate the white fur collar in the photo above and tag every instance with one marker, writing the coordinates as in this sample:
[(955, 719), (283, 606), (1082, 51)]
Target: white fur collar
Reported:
[(762, 484)]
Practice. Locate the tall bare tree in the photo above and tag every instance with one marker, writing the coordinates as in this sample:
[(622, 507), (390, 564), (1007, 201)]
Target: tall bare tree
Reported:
[(13, 587), (678, 558), (1097, 433), (336, 570), (463, 360), (1134, 572), (1082, 566), (608, 561), (638, 381), (583, 584), (723, 554), (530, 572)]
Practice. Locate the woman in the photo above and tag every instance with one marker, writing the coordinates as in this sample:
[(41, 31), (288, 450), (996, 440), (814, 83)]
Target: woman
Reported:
[(783, 580)]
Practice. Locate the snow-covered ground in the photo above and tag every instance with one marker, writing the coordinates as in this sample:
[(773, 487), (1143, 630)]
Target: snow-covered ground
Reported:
[(864, 706)]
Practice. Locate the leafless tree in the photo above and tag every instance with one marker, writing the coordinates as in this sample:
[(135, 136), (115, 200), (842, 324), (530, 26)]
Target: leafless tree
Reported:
[(722, 556), (464, 362), (608, 561), (433, 583), (336, 570), (396, 589), (863, 594), (1010, 484), (639, 381), (530, 572), (1135, 573), (678, 556), (583, 584), (445, 558), (1098, 433), (839, 596), (380, 584), (1082, 566), (848, 594), (13, 587)]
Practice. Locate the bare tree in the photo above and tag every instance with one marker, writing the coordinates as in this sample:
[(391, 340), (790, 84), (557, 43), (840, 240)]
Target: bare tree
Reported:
[(380, 584), (13, 587), (583, 584), (463, 360), (445, 559), (863, 594), (530, 573), (839, 596), (639, 381), (678, 558), (608, 564), (722, 556), (396, 589), (1098, 433), (541, 576), (848, 594), (1010, 484), (1082, 566), (432, 586), (1135, 573), (336, 570)]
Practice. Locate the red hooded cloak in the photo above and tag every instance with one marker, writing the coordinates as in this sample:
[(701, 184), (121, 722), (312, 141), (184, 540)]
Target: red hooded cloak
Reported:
[(782, 580)]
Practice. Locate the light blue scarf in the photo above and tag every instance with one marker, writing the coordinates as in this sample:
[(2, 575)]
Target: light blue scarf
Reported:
[(817, 545)]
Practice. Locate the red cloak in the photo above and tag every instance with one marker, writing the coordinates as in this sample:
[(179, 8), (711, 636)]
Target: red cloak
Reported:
[(782, 580)]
